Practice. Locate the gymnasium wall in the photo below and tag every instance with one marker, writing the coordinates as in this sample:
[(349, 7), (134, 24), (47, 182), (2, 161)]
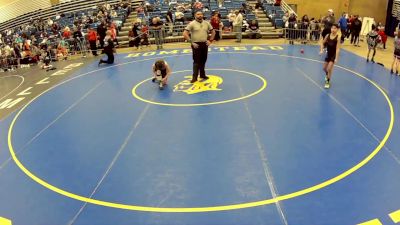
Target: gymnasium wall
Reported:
[(370, 8), (12, 8)]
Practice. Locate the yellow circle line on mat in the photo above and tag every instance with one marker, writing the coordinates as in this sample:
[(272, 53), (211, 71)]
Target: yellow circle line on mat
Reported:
[(210, 208), (205, 103)]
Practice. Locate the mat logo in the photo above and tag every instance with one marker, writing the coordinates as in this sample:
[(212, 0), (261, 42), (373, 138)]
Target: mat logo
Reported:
[(200, 86)]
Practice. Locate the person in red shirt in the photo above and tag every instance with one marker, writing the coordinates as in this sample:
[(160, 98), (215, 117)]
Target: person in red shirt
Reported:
[(67, 33), (382, 34), (215, 23), (277, 3), (92, 38), (113, 33)]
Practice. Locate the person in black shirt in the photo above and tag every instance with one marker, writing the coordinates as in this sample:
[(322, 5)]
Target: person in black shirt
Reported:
[(108, 49), (161, 72), (355, 31), (170, 21), (134, 38), (156, 27), (79, 41), (332, 44), (101, 31), (328, 21), (292, 25)]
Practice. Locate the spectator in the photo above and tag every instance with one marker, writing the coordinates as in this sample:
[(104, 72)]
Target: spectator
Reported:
[(113, 14), (144, 35), (101, 31), (383, 35), (237, 26), (157, 29), (259, 5), (179, 16), (215, 23), (169, 21), (114, 34), (231, 17), (197, 5), (285, 17), (291, 25), (328, 21), (92, 38), (63, 48), (67, 33), (355, 30), (343, 27), (314, 28), (254, 31), (305, 22), (49, 22), (134, 38), (277, 3)]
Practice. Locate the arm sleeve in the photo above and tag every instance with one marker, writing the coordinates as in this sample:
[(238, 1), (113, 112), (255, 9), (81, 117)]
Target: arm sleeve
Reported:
[(189, 27)]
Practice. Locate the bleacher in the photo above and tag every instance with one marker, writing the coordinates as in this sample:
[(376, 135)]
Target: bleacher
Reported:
[(70, 9), (162, 9), (75, 9)]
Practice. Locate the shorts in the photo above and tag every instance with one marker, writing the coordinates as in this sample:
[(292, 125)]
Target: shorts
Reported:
[(161, 76), (371, 47), (330, 58)]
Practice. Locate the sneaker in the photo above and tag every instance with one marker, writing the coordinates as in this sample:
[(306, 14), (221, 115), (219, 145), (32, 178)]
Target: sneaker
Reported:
[(327, 85), (161, 87), (153, 80), (391, 71)]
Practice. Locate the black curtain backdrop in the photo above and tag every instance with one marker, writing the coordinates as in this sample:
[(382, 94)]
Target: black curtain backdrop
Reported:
[(391, 22)]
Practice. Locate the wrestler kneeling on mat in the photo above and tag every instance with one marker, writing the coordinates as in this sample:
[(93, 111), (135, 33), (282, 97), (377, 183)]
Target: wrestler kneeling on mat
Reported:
[(161, 71)]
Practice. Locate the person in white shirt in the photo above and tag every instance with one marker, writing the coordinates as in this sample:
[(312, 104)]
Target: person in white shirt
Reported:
[(231, 17), (49, 22), (237, 26)]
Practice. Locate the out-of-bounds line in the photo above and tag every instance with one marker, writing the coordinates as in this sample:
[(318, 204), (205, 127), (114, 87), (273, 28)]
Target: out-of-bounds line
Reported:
[(350, 114), (53, 122)]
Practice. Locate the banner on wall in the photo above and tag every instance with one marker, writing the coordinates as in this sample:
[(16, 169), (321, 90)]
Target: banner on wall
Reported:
[(396, 9)]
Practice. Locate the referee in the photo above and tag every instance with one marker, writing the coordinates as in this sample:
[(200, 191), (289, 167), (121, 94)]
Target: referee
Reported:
[(197, 32)]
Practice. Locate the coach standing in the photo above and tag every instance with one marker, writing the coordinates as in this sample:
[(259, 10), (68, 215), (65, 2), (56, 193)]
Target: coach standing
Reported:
[(197, 32)]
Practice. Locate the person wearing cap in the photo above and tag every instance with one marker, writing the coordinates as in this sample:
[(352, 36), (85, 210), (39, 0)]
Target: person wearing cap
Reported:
[(161, 72), (197, 33), (328, 21)]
